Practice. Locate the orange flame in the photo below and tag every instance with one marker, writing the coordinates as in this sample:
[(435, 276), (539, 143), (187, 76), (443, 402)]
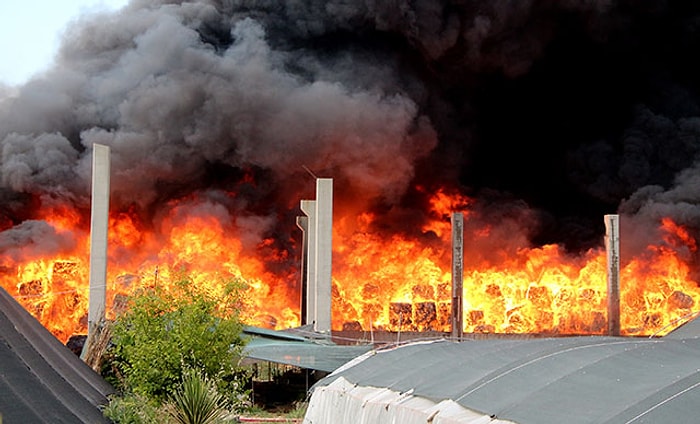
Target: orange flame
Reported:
[(396, 282), (400, 283)]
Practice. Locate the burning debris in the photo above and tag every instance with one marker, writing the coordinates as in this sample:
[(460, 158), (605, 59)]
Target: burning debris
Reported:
[(534, 119)]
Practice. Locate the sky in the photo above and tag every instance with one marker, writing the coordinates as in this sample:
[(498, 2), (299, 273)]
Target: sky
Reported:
[(30, 33)]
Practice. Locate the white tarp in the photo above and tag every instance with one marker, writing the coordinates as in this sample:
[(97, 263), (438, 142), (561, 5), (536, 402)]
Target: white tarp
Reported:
[(342, 402)]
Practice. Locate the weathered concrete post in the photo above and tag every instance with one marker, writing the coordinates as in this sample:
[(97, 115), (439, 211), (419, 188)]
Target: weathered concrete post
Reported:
[(303, 224), (324, 253), (457, 318), (309, 295), (612, 248), (99, 220), (318, 256)]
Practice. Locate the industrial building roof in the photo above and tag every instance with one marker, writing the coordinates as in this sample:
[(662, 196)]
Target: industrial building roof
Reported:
[(591, 379), (41, 380), (288, 348)]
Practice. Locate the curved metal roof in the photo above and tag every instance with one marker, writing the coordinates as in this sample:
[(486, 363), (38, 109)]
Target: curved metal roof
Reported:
[(590, 379)]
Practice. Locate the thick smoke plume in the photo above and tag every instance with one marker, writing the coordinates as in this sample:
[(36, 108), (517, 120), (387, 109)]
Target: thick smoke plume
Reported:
[(548, 113)]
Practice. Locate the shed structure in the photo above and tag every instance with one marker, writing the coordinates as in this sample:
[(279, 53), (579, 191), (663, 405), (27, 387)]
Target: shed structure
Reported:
[(299, 349)]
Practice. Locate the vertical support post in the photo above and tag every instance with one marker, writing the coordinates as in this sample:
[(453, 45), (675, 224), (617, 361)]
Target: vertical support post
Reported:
[(309, 208), (324, 253), (612, 248), (303, 224), (457, 318), (99, 220)]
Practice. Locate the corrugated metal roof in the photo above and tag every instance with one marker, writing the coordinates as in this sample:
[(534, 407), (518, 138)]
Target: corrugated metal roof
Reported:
[(41, 380), (287, 348)]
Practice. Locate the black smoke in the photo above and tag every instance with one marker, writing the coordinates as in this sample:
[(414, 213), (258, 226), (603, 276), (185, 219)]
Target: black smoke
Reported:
[(565, 109)]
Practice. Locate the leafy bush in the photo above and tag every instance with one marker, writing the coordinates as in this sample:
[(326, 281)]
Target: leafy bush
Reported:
[(132, 409), (163, 332)]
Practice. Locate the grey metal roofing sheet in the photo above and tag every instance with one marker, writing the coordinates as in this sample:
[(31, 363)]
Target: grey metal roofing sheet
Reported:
[(547, 380), (41, 380), (284, 348)]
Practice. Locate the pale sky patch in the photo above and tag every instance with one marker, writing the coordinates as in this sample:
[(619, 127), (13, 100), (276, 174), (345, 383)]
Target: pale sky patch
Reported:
[(30, 33)]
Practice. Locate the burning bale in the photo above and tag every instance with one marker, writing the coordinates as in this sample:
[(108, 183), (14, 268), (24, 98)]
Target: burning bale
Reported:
[(680, 300), (475, 318), (443, 314), (544, 319), (372, 312), (32, 288), (540, 296), (423, 291), (352, 326), (593, 322), (425, 316), (400, 315), (477, 323), (30, 294), (653, 320)]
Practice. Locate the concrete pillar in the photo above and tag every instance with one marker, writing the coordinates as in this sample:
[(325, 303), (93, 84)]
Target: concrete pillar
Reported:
[(303, 224), (457, 318), (99, 220), (319, 255), (309, 208), (612, 248), (324, 253)]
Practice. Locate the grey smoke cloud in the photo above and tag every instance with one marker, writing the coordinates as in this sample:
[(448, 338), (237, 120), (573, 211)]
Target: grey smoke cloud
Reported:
[(32, 239), (380, 96), (46, 160), (143, 82)]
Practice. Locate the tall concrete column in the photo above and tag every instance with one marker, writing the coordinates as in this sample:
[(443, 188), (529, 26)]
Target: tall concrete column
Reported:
[(99, 220), (319, 255), (309, 295), (612, 248), (303, 224), (324, 253), (457, 318)]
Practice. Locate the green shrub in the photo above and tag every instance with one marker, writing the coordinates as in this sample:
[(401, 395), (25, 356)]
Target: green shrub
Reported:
[(133, 409), (164, 332)]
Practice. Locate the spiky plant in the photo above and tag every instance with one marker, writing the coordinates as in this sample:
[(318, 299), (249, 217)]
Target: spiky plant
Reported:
[(197, 401)]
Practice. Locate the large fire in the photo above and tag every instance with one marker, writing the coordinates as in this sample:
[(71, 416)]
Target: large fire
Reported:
[(396, 283)]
